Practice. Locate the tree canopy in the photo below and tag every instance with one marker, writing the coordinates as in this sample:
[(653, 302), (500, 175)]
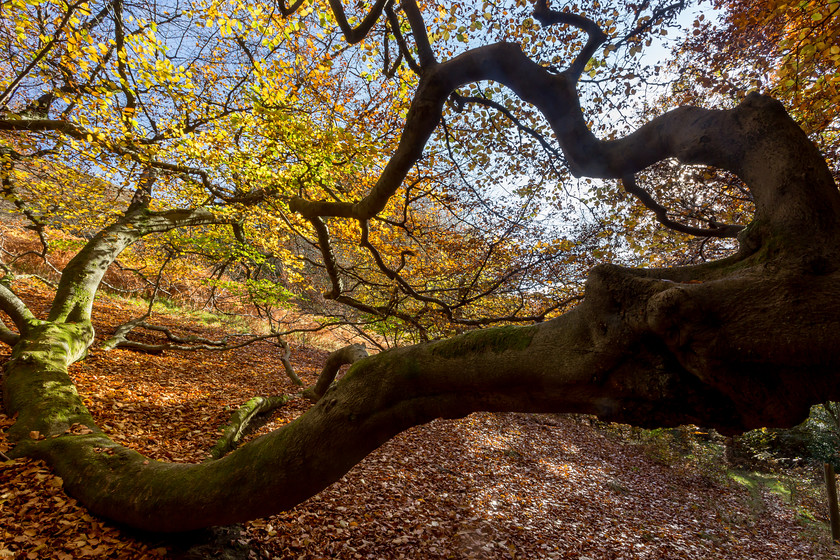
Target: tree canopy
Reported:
[(787, 49), (415, 165)]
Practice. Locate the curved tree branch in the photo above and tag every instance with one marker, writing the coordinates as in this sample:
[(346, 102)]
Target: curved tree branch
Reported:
[(735, 140), (599, 358), (287, 363), (288, 10), (661, 213), (421, 37), (242, 422), (655, 347), (347, 355), (7, 335), (596, 36), (355, 34), (83, 274), (394, 23), (17, 311), (460, 100), (182, 343)]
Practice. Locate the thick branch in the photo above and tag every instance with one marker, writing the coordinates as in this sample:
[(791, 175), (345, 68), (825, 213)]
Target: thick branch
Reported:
[(418, 29), (756, 141), (348, 355), (638, 349), (596, 36), (17, 311)]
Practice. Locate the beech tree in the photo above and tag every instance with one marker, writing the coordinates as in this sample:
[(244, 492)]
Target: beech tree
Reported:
[(740, 342)]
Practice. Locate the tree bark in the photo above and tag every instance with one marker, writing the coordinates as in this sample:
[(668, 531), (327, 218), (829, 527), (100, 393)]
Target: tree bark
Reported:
[(639, 348)]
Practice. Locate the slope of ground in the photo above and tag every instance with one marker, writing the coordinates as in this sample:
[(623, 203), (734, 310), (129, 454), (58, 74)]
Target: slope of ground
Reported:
[(488, 486)]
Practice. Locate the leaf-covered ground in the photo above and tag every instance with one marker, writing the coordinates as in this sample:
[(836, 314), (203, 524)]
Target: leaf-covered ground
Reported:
[(488, 486)]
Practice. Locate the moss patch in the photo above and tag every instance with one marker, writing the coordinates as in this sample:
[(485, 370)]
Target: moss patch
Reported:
[(495, 340)]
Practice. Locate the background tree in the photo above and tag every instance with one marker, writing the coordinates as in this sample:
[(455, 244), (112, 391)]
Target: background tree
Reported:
[(745, 341)]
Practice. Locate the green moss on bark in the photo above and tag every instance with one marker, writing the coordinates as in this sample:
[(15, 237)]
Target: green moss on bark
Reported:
[(495, 340), (36, 385)]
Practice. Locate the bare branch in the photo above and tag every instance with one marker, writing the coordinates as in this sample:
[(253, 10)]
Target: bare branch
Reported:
[(287, 364), (597, 37), (394, 274), (355, 34), (186, 343), (661, 213), (119, 337)]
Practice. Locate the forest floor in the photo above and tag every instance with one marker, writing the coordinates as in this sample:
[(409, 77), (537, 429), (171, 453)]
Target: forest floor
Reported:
[(509, 486)]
